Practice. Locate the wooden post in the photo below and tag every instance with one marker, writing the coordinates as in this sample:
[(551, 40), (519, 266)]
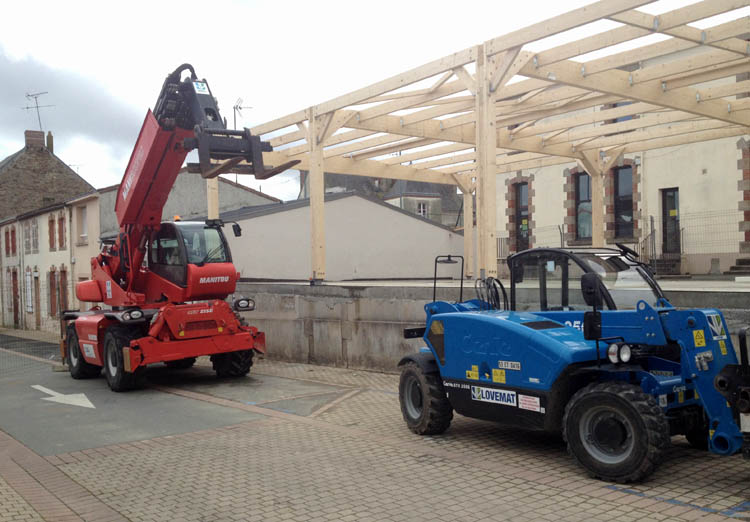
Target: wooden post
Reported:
[(468, 234), (316, 182), (212, 195), (486, 141), (590, 163)]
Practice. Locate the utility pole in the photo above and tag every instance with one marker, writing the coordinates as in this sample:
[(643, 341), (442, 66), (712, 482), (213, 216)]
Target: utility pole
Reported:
[(35, 96)]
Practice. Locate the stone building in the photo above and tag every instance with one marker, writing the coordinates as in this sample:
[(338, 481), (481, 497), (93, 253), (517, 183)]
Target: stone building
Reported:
[(34, 177)]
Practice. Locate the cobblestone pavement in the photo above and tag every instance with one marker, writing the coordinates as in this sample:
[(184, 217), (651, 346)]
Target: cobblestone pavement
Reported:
[(353, 459)]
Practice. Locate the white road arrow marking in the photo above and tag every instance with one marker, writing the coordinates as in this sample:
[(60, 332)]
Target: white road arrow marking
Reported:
[(74, 399)]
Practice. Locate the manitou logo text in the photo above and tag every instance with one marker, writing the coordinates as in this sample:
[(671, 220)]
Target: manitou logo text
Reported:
[(217, 279)]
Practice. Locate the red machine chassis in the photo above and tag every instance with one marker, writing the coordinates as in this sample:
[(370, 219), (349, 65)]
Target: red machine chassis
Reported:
[(178, 332)]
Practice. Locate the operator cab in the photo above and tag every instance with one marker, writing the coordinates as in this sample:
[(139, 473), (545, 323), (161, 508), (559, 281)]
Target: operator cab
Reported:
[(549, 279), (179, 244)]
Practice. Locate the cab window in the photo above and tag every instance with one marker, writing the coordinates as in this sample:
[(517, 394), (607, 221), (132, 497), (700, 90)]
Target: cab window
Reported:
[(547, 281)]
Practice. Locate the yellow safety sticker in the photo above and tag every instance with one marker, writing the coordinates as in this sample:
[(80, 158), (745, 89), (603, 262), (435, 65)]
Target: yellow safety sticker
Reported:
[(699, 337), (672, 212), (472, 375), (681, 397), (711, 434), (696, 394), (498, 376), (723, 347)]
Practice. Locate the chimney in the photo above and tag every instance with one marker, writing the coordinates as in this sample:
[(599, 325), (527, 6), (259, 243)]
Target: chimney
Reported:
[(50, 142), (34, 139)]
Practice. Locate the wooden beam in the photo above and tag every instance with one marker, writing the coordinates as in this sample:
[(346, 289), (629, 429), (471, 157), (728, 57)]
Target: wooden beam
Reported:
[(368, 168), (398, 147), (417, 74), (691, 34), (684, 139), (316, 180), (280, 123), (561, 23), (435, 86), (468, 210), (590, 163), (503, 68), (467, 79), (428, 153), (212, 197), (337, 120), (617, 83), (486, 140)]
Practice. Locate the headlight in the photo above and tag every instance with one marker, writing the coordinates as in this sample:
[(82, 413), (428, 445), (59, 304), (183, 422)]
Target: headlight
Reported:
[(244, 304), (612, 353), (625, 353), (126, 316)]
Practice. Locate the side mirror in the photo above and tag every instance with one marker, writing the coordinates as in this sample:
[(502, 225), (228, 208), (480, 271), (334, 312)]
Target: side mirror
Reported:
[(236, 229), (591, 288), (592, 326)]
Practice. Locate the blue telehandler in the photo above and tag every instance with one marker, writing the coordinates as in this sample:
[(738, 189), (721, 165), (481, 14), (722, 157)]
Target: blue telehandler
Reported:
[(585, 344)]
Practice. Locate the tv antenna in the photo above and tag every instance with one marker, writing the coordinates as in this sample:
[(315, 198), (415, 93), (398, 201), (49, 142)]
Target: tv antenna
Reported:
[(238, 109), (35, 96)]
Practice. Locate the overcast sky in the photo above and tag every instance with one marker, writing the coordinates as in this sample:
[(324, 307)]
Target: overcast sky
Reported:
[(103, 63)]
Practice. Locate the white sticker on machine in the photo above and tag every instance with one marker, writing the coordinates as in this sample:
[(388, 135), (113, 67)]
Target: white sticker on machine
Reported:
[(200, 88), (509, 365), (88, 349), (528, 402), (495, 395), (108, 284)]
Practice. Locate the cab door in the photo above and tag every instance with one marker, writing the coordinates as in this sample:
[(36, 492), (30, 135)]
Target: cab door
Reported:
[(166, 257)]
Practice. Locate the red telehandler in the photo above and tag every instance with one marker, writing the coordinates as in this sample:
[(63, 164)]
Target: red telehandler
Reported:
[(165, 284)]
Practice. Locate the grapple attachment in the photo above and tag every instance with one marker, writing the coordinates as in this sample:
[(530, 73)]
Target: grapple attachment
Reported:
[(189, 104)]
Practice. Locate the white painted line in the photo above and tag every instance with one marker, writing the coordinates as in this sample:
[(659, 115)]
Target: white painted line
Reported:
[(73, 399)]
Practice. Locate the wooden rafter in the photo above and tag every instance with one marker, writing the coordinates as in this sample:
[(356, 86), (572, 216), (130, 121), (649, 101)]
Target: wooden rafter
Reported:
[(525, 109)]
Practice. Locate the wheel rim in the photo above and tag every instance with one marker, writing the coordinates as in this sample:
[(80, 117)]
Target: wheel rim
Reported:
[(607, 435), (73, 351), (111, 360), (413, 397)]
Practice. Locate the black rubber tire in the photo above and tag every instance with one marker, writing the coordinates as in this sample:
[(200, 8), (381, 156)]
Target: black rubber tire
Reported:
[(114, 370), (233, 364), (424, 404), (79, 368), (637, 418), (181, 364)]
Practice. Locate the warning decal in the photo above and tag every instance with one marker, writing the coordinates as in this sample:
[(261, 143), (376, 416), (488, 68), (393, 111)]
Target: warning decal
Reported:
[(699, 337), (527, 402), (717, 327)]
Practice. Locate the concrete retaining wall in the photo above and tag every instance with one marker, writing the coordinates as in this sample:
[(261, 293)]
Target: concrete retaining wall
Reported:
[(362, 326)]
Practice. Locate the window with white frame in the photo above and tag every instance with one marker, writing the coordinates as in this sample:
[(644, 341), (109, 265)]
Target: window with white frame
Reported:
[(422, 209)]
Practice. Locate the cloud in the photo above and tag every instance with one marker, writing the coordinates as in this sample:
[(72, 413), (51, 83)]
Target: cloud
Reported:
[(82, 108)]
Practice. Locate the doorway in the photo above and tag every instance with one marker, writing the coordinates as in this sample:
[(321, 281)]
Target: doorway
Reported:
[(670, 220), (37, 313), (16, 322)]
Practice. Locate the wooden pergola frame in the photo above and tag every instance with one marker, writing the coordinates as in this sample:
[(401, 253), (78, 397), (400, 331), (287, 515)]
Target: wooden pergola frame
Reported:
[(489, 109)]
